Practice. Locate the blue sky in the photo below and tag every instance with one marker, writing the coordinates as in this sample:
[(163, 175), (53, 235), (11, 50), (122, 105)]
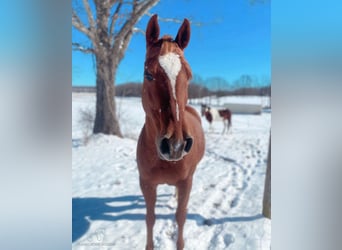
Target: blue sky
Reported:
[(234, 39)]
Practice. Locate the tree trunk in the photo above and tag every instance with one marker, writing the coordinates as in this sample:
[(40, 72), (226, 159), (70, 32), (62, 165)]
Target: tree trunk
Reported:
[(105, 120), (266, 206)]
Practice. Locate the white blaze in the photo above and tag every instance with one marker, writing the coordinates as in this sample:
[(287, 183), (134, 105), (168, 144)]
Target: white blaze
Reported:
[(171, 64)]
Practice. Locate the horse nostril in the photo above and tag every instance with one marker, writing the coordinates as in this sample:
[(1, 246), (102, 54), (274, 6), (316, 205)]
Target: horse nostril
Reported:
[(188, 144), (164, 146)]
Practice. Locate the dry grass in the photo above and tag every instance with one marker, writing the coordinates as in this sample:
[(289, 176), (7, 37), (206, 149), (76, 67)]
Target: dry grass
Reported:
[(87, 121)]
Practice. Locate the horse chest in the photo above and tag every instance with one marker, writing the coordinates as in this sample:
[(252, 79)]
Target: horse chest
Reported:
[(170, 174), (163, 172)]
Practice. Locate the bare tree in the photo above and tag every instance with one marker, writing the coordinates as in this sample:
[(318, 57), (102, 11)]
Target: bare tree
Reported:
[(109, 25)]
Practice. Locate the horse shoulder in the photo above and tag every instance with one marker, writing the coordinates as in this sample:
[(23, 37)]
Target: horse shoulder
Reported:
[(193, 111)]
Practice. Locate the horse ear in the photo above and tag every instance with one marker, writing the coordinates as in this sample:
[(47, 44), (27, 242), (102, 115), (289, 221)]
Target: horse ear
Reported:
[(152, 30), (183, 35)]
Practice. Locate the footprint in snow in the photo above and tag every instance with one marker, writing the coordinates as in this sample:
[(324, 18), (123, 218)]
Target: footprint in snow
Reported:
[(234, 202), (172, 203), (217, 204), (228, 239), (171, 232)]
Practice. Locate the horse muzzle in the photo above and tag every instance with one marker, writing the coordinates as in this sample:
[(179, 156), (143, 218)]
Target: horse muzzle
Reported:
[(172, 149)]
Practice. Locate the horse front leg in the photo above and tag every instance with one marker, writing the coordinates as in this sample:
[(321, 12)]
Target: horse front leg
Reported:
[(224, 127), (184, 189), (150, 194)]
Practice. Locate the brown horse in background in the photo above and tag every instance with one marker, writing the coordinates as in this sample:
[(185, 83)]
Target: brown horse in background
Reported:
[(171, 142), (212, 114)]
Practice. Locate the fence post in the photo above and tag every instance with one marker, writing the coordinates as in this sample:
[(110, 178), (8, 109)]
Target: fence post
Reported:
[(266, 204)]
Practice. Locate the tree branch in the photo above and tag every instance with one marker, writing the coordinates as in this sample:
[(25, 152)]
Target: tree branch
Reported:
[(102, 43), (122, 39), (140, 9), (138, 30), (174, 20), (135, 5), (91, 20), (79, 47), (77, 23), (114, 17)]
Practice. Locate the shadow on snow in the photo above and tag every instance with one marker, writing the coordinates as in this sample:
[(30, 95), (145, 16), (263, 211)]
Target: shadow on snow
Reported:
[(85, 210)]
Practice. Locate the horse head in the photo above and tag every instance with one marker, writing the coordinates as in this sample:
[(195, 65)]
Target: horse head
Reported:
[(165, 90), (204, 108)]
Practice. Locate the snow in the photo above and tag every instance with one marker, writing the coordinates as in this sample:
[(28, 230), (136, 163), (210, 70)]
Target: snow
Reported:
[(224, 211)]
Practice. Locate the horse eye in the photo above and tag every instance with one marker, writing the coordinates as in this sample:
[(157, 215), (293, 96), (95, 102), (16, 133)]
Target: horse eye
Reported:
[(148, 76)]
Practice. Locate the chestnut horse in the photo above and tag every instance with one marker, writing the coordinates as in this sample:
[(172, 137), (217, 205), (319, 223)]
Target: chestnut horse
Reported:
[(212, 114), (171, 142)]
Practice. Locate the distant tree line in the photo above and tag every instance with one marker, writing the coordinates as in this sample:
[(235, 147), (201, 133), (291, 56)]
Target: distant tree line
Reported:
[(199, 87), (128, 89), (83, 89), (195, 91)]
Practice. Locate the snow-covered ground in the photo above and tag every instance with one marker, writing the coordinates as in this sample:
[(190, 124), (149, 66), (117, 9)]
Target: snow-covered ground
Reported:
[(224, 211)]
